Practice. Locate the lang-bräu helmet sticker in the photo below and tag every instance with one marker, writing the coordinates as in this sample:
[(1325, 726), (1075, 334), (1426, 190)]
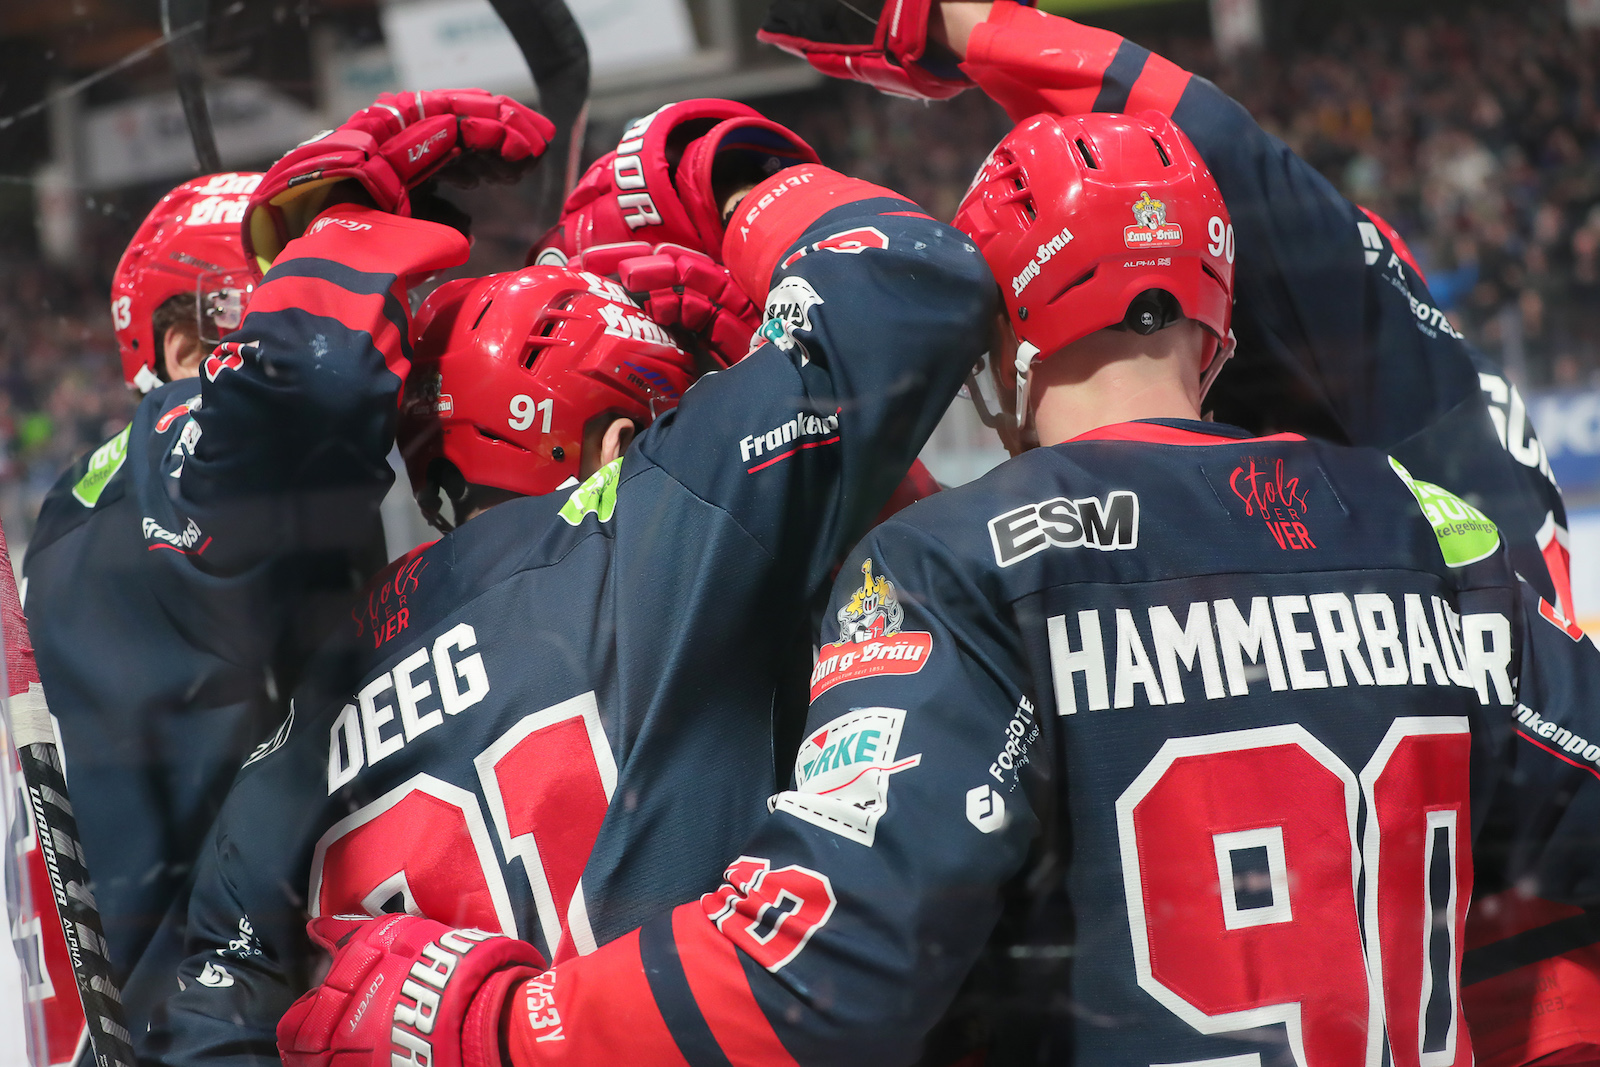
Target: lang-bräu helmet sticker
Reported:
[(870, 639)]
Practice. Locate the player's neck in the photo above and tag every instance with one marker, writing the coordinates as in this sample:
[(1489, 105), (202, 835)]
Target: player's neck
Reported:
[(1117, 378)]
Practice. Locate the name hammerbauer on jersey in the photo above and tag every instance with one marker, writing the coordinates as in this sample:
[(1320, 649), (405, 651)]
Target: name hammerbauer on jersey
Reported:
[(1295, 642)]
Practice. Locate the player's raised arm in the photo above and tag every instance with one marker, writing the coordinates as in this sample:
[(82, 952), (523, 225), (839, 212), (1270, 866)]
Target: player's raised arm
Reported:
[(299, 405), (874, 314)]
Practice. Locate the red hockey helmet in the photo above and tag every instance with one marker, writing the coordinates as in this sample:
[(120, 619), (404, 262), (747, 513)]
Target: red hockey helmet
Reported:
[(660, 184), (1086, 220), (189, 243), (509, 369)]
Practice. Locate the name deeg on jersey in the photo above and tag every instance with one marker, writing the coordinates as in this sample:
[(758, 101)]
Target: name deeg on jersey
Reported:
[(364, 731), (1117, 658), (1061, 523)]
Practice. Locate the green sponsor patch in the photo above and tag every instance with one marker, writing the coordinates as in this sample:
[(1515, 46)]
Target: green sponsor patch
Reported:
[(1465, 534), (103, 465), (597, 495)]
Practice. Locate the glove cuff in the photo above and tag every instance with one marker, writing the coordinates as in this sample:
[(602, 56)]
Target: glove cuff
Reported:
[(778, 212), (482, 1040)]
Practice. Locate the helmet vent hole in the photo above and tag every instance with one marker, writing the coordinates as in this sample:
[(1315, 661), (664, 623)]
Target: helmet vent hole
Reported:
[(1214, 275), (496, 437), (1162, 152), (481, 314), (1088, 157), (1080, 280)]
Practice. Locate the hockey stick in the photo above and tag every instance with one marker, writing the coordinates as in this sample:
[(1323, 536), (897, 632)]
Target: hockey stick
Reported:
[(558, 58), (110, 1043), (185, 51)]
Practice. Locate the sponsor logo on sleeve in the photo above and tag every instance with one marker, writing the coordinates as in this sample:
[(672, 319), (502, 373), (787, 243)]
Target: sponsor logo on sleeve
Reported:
[(1151, 228), (870, 640), (1465, 534), (106, 461), (165, 538), (843, 770), (164, 423), (1277, 498), (788, 309), (784, 440), (597, 496), (1107, 525), (214, 976), (852, 242), (986, 809)]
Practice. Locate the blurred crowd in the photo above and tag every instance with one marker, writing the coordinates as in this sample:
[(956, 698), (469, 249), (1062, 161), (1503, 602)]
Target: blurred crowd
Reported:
[(1477, 134)]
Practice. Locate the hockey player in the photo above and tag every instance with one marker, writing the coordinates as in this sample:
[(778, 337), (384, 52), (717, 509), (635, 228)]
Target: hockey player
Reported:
[(181, 572), (1169, 725), (156, 697), (1338, 336), (559, 716)]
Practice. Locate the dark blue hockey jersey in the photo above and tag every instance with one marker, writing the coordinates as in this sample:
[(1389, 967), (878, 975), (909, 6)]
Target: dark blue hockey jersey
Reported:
[(181, 573), (557, 718), (1340, 337), (1170, 744)]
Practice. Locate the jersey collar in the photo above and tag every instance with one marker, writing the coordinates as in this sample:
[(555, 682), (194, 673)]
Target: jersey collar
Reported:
[(1177, 432)]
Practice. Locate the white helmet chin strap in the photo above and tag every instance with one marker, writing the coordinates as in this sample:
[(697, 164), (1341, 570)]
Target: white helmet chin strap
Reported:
[(1024, 363)]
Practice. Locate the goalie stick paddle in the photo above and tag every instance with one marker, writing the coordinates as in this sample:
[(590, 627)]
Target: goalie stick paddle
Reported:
[(110, 1044), (558, 58), (183, 23)]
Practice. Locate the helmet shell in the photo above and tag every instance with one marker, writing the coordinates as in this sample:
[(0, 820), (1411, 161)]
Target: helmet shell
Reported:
[(1078, 215), (189, 242), (508, 369)]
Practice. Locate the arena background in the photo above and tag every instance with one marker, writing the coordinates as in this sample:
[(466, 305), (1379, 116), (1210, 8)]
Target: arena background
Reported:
[(1474, 128)]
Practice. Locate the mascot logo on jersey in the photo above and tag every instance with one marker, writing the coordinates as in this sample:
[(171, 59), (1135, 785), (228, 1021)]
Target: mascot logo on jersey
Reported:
[(842, 773), (870, 641), (1152, 230)]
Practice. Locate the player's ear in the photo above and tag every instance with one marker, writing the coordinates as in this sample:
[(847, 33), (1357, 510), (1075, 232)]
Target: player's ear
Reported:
[(182, 351), (618, 436)]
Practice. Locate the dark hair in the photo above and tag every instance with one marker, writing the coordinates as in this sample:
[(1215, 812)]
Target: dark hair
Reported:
[(182, 311)]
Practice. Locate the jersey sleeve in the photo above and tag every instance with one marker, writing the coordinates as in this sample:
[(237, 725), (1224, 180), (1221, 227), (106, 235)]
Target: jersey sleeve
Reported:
[(874, 315), (287, 448), (844, 931), (1338, 334), (1546, 793)]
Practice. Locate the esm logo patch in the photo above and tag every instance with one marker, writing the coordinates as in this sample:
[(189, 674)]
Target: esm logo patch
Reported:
[(1108, 525)]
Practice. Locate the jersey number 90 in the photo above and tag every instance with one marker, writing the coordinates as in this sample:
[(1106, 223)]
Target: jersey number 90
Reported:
[(1252, 900)]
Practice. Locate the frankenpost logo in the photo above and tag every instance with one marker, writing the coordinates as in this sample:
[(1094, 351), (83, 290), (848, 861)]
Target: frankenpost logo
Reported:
[(842, 773), (870, 641), (1151, 228)]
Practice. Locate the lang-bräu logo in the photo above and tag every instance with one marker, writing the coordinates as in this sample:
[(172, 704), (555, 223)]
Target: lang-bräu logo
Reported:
[(870, 642), (1279, 500), (1041, 255), (842, 773), (1151, 228)]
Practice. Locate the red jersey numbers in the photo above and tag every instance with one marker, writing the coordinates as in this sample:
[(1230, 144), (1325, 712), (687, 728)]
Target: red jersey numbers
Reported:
[(424, 846), (770, 914), (1244, 909), (228, 356)]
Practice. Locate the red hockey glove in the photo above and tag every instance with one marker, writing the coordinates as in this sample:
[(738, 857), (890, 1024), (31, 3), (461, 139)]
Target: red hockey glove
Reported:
[(681, 289), (669, 179), (390, 148), (881, 42), (405, 990)]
